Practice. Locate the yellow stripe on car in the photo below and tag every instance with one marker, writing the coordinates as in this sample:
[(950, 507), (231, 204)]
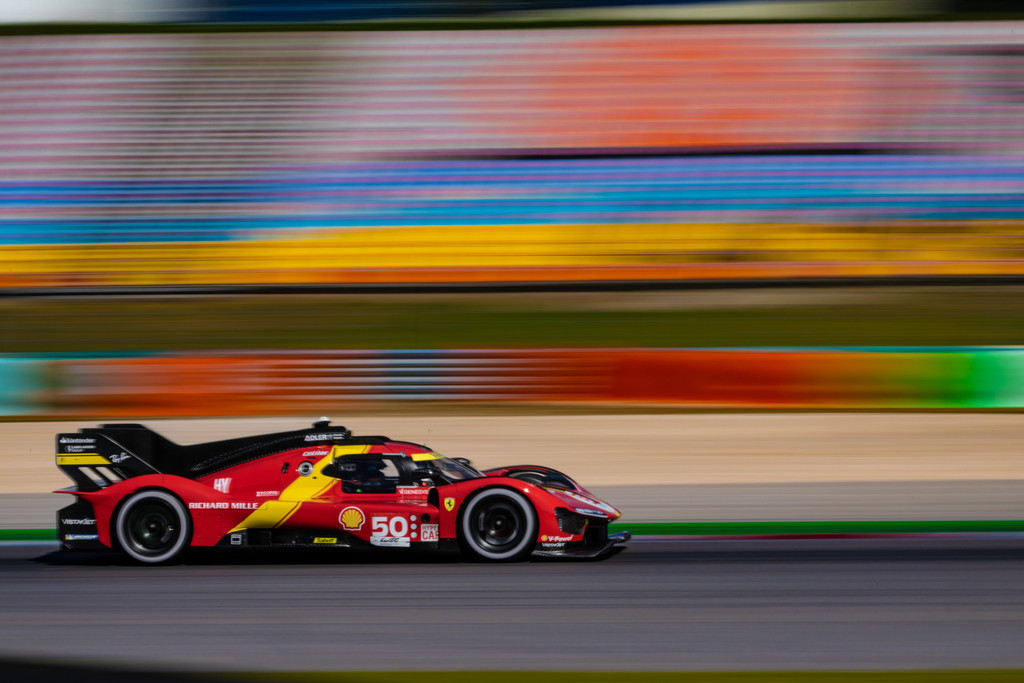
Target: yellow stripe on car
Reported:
[(274, 513), (421, 457), (315, 484), (82, 459), (271, 514)]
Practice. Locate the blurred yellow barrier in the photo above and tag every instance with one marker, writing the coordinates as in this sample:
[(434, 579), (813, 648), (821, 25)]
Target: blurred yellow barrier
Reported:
[(529, 253)]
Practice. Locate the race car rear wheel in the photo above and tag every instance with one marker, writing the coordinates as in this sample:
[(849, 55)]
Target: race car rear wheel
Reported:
[(153, 527), (498, 525)]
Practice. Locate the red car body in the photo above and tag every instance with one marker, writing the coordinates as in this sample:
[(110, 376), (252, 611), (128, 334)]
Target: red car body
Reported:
[(320, 487)]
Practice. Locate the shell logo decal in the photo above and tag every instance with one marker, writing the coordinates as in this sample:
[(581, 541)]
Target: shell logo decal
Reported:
[(449, 504), (352, 519)]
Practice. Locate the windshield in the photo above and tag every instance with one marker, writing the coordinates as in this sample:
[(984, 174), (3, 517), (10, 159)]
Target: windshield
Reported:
[(452, 470)]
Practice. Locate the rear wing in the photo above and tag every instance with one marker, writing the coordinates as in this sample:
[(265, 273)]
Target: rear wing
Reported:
[(97, 458)]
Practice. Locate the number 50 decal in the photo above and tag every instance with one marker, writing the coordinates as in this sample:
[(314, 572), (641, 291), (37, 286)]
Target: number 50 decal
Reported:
[(395, 526)]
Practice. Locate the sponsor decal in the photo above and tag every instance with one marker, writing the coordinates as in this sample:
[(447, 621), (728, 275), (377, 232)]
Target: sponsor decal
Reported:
[(236, 539), (119, 458), (267, 494), (588, 511), (80, 449), (223, 506), (351, 519), (389, 541), (429, 532), (314, 454), (413, 492), (305, 469), (325, 540), (449, 504), (555, 539), (81, 537), (77, 439), (552, 545), (222, 484), (391, 531), (326, 436), (85, 521)]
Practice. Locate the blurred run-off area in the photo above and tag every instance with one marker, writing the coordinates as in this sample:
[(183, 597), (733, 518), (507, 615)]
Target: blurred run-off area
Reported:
[(564, 207)]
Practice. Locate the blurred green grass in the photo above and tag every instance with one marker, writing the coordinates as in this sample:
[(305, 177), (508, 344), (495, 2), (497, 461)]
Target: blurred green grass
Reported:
[(883, 316)]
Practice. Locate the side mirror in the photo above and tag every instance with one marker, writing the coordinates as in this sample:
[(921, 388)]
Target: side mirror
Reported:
[(430, 474), (463, 461)]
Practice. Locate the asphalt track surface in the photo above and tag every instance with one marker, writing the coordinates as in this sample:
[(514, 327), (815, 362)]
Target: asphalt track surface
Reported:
[(931, 603)]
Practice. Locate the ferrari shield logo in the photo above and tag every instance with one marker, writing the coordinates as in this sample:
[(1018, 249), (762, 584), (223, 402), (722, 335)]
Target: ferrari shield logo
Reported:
[(449, 504)]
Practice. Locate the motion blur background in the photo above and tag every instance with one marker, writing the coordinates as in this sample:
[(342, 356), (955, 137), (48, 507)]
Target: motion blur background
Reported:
[(243, 208), (639, 242)]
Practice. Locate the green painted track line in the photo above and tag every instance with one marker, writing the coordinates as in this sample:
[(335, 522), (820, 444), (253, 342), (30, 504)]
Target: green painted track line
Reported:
[(833, 528), (28, 535)]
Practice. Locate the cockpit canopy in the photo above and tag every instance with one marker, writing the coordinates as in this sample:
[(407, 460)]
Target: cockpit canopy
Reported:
[(385, 472)]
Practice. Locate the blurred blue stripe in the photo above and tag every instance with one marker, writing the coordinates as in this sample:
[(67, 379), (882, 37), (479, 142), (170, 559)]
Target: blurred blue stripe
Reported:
[(784, 189)]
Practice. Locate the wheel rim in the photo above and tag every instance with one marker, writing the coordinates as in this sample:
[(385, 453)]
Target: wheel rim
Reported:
[(152, 528), (498, 526)]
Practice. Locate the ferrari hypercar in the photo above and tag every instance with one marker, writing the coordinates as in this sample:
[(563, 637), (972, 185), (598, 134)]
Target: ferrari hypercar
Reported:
[(321, 487)]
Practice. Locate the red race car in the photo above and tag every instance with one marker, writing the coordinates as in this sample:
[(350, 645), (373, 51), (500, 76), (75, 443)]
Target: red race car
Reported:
[(321, 487)]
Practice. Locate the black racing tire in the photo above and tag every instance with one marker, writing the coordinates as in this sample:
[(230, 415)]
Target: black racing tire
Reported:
[(153, 527), (498, 525)]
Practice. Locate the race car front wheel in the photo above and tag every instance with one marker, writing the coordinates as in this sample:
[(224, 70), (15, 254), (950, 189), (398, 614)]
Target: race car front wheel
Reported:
[(498, 525), (153, 527)]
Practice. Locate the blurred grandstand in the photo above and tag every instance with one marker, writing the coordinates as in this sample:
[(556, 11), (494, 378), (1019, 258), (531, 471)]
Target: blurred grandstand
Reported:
[(641, 153), (144, 159)]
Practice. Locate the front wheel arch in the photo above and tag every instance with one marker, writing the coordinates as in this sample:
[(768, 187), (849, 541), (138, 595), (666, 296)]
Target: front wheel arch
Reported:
[(497, 524)]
